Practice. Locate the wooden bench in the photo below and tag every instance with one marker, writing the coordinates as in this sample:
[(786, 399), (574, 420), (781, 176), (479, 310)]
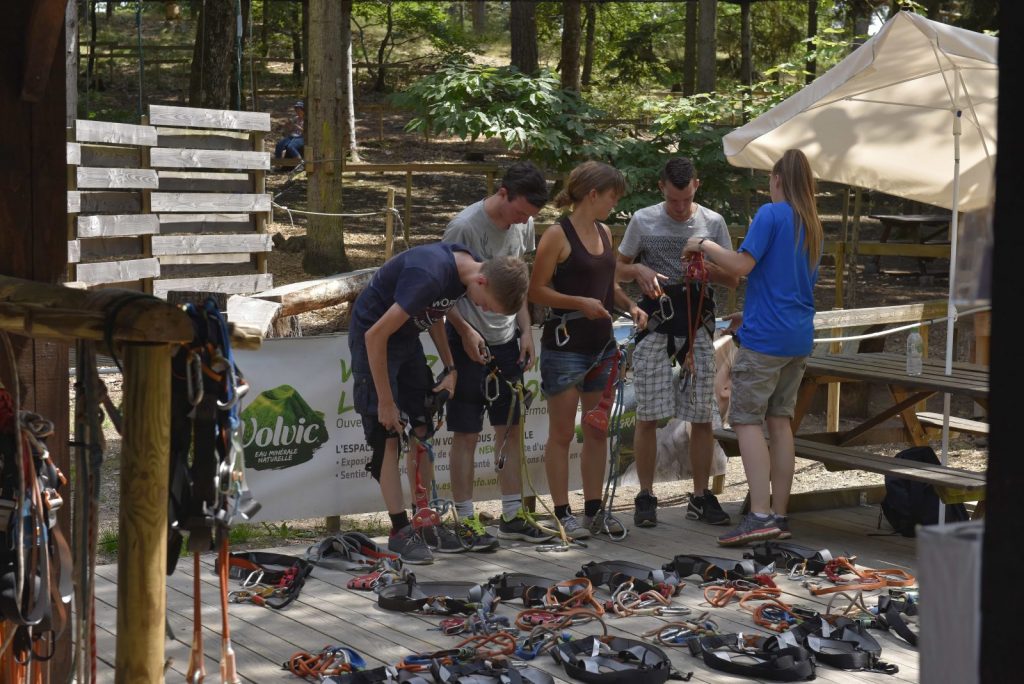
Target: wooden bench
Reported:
[(285, 162), (952, 484), (956, 424)]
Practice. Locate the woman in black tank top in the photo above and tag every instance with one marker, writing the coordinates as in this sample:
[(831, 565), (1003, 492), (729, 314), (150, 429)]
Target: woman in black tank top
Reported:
[(574, 275)]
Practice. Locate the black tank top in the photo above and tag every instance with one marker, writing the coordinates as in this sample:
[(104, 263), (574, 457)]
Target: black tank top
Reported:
[(583, 275)]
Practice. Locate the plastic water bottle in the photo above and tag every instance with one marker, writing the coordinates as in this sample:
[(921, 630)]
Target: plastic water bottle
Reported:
[(915, 347)]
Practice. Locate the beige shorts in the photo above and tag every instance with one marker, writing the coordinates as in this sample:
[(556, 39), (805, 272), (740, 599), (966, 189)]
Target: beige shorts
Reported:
[(764, 385)]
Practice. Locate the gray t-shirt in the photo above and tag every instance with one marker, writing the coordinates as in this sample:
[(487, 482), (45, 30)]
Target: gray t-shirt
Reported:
[(656, 240), (475, 229)]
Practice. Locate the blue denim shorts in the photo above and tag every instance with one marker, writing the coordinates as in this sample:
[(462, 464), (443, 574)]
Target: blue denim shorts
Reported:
[(560, 370), (466, 409)]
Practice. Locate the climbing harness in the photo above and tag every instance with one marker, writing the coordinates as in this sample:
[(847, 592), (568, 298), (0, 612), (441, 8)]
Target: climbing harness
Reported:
[(613, 660), (712, 568), (273, 580), (208, 493), (434, 598), (35, 560), (613, 573), (804, 560), (754, 656), (330, 660), (349, 551)]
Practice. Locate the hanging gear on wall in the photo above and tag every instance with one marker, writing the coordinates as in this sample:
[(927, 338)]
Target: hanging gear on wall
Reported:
[(208, 493), (35, 560)]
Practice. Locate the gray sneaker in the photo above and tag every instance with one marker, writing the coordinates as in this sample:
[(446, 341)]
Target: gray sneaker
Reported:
[(782, 522), (750, 529), (572, 528), (410, 547), (602, 523), (476, 535), (522, 527), (443, 540)]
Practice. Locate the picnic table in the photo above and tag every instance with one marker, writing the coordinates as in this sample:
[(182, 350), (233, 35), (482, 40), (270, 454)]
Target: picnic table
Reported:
[(919, 228)]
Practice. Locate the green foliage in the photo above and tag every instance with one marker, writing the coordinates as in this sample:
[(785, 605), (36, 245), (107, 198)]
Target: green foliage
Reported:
[(108, 542), (531, 114)]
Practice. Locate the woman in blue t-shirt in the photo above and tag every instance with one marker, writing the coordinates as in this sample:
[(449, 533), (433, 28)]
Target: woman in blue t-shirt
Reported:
[(779, 256)]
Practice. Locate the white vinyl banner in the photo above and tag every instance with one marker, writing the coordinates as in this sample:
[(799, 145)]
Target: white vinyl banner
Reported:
[(305, 451)]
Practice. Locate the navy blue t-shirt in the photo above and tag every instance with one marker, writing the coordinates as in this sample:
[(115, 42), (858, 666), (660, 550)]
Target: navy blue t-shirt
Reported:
[(424, 281)]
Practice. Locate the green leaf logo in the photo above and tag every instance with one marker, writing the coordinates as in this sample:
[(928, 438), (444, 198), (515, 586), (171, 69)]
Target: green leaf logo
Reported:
[(280, 430)]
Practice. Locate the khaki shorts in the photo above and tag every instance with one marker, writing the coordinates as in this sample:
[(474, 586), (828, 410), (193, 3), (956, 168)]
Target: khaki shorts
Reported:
[(764, 385)]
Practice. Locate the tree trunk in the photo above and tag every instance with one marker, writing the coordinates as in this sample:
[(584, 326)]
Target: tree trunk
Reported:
[(296, 33), (571, 45), (812, 33), (706, 47), (265, 30), (349, 81), (690, 49), (479, 8), (588, 45), (523, 26), (213, 56), (746, 66), (325, 133), (305, 37), (860, 19), (380, 83)]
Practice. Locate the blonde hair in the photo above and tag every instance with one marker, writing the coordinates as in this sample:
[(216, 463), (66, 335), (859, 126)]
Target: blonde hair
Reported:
[(507, 279), (590, 175), (797, 183)]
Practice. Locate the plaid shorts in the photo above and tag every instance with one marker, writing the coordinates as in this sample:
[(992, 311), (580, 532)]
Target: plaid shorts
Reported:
[(665, 391)]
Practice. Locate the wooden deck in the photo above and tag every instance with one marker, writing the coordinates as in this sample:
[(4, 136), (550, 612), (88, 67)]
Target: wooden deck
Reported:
[(328, 613)]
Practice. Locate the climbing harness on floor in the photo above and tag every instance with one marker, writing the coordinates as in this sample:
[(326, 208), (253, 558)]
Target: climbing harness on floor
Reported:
[(272, 580), (613, 660), (348, 552), (208, 493), (35, 560), (754, 656)]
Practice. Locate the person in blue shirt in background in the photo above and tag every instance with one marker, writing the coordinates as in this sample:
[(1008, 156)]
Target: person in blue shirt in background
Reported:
[(779, 256), (293, 144)]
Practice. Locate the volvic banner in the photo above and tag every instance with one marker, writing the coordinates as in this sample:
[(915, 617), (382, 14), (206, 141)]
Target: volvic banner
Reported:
[(305, 452)]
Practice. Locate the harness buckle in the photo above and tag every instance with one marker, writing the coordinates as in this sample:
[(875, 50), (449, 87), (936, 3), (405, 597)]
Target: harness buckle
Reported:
[(254, 579), (194, 378)]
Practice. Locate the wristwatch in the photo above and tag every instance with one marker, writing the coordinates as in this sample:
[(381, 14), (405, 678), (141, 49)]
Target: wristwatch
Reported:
[(449, 369)]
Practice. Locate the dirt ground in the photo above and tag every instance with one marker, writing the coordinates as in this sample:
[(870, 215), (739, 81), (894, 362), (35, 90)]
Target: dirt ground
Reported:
[(437, 197)]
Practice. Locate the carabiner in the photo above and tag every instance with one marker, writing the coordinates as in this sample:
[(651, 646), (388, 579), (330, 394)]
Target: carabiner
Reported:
[(665, 307), (194, 378), (562, 332), (492, 387)]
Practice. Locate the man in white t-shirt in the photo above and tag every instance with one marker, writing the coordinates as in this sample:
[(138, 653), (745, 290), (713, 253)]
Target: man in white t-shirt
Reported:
[(486, 344), (652, 249)]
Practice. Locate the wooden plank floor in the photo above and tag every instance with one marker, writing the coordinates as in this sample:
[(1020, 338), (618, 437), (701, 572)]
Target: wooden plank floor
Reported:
[(328, 613)]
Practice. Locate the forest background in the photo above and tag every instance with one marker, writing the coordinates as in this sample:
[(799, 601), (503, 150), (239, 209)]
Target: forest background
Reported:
[(390, 81)]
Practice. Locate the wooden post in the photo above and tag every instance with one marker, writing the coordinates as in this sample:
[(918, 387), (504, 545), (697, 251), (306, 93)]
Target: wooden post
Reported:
[(259, 186), (72, 171), (142, 526), (858, 196), (380, 125), (832, 405), (490, 183), (389, 226), (840, 259), (408, 205), (147, 240)]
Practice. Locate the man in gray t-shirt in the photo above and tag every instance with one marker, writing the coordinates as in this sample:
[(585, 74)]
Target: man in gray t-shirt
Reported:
[(651, 252), (491, 352)]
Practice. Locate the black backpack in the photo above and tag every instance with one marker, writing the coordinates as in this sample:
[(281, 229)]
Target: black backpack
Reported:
[(908, 503)]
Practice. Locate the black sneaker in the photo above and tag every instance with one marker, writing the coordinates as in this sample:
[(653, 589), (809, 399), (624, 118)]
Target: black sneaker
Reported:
[(522, 527), (410, 547), (706, 509), (442, 540), (476, 536), (645, 513)]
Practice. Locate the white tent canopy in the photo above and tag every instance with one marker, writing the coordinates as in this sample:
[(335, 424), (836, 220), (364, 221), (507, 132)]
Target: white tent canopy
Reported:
[(883, 118), (911, 113)]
